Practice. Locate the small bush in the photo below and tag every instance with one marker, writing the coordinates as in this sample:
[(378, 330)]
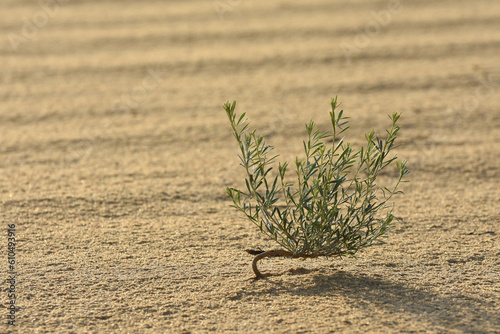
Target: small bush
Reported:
[(334, 208)]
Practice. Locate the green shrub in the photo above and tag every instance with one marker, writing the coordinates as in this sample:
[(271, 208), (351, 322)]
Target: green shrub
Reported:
[(335, 208)]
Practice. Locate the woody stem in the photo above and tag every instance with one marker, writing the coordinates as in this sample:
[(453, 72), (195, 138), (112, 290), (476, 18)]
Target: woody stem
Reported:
[(276, 252)]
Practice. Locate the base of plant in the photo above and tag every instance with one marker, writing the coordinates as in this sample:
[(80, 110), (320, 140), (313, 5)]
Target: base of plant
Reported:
[(260, 254)]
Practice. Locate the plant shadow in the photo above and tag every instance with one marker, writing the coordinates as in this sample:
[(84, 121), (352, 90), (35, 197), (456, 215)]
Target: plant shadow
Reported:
[(452, 311)]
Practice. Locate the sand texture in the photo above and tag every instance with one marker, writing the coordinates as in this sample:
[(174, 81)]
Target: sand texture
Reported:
[(115, 153)]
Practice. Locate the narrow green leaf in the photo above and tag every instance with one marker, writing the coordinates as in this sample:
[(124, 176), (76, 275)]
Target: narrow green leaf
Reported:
[(241, 117)]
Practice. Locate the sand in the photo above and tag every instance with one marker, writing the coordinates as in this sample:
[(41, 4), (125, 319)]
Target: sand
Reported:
[(115, 154)]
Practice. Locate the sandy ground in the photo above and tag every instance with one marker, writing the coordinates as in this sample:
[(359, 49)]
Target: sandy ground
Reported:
[(115, 154)]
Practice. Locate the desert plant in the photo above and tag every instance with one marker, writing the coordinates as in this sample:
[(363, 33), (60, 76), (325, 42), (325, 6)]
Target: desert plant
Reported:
[(335, 208)]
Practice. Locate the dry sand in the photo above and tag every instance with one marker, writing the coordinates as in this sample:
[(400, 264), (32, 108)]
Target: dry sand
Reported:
[(115, 154)]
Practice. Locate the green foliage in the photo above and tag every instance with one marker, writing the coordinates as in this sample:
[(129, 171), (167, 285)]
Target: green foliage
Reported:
[(335, 207)]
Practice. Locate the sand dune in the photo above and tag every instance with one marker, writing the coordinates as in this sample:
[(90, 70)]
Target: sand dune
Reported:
[(115, 154)]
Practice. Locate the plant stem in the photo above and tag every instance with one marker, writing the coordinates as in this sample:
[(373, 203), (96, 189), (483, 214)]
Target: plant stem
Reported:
[(275, 252)]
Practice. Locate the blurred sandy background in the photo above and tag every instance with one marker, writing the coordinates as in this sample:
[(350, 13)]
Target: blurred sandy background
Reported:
[(115, 153)]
